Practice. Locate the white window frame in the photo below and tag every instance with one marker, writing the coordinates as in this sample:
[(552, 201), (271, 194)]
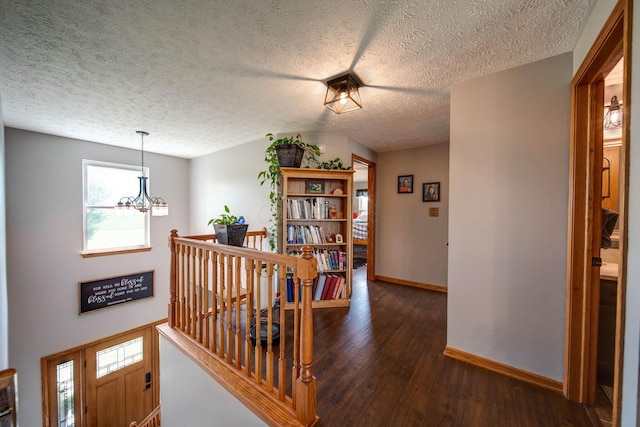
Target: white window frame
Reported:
[(134, 190)]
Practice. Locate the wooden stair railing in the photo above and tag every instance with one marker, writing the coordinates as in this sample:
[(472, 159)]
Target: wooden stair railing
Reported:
[(218, 293), (152, 420)]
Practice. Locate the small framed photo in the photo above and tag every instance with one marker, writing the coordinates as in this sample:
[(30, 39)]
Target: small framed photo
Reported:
[(315, 186), (405, 183), (431, 192)]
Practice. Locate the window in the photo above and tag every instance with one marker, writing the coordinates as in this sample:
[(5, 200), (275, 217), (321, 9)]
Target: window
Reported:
[(104, 229), (65, 394), (119, 356)]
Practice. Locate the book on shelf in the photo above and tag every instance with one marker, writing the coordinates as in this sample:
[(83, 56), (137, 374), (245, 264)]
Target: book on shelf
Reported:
[(305, 234), (338, 288), (320, 288), (290, 289), (309, 208), (330, 286)]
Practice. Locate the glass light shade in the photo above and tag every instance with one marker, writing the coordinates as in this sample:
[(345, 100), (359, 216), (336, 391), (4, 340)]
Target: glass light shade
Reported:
[(342, 94), (613, 117)]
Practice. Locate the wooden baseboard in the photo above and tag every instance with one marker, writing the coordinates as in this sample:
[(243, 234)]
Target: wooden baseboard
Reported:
[(503, 369), (437, 288)]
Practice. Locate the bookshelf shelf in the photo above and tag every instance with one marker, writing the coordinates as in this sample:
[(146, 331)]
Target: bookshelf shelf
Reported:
[(320, 218)]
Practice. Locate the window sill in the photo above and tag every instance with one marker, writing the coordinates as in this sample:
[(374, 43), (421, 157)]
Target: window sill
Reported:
[(114, 252)]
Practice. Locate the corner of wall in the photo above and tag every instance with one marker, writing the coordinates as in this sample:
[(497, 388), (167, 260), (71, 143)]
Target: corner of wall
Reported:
[(4, 306)]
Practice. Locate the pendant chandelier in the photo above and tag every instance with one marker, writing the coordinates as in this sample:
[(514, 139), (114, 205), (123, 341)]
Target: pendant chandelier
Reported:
[(613, 117), (143, 202), (342, 94)]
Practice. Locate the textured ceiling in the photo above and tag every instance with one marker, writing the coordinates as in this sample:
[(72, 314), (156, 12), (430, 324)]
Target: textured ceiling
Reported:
[(204, 75)]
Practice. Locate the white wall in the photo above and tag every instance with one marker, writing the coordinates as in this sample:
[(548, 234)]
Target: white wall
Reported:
[(229, 177), (4, 308), (189, 397), (508, 215), (44, 234), (411, 245)]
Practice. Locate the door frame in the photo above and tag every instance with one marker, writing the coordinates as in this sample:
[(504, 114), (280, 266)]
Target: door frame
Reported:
[(77, 354), (371, 214), (613, 42)]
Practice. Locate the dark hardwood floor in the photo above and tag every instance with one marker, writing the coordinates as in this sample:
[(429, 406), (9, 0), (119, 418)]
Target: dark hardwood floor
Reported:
[(381, 363)]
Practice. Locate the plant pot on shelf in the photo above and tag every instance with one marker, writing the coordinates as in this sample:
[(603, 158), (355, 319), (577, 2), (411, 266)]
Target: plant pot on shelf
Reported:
[(289, 155), (230, 234)]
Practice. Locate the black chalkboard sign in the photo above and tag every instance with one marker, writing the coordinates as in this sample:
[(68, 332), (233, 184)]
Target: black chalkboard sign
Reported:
[(111, 291)]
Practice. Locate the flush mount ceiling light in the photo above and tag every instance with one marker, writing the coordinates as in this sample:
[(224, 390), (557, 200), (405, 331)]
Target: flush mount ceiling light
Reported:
[(143, 202), (613, 117), (342, 94)]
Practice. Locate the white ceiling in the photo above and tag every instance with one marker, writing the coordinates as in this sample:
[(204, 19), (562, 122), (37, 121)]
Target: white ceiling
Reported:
[(204, 75)]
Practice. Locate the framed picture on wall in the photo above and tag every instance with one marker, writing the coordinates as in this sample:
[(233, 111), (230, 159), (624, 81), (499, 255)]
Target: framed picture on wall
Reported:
[(405, 184), (431, 192)]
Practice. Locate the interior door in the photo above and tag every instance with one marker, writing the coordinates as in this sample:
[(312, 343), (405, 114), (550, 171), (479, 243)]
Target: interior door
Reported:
[(119, 376)]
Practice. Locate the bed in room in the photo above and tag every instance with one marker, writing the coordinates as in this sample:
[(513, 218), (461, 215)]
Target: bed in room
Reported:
[(360, 238)]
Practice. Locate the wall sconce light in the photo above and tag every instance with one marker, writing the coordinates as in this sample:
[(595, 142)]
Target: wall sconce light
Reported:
[(342, 94), (613, 117), (143, 202)]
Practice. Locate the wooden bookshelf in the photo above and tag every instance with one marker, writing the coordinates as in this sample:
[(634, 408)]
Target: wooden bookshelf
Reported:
[(316, 211)]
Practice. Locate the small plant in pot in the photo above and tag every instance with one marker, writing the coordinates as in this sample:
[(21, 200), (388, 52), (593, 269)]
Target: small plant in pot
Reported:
[(230, 229), (289, 151)]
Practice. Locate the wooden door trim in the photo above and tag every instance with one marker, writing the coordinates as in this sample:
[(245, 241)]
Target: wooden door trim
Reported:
[(92, 382), (371, 214), (48, 374), (48, 361), (613, 42)]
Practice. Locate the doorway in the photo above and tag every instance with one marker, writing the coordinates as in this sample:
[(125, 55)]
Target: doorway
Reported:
[(588, 172), (113, 381), (364, 232)]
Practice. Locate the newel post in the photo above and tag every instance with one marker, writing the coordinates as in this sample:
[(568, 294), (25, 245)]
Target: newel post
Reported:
[(306, 383), (172, 279)]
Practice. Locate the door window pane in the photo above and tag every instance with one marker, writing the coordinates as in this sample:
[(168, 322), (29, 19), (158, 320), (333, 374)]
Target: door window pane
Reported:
[(64, 377), (119, 356)]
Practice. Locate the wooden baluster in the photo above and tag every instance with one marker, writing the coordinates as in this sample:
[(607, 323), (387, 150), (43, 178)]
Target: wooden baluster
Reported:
[(237, 283), (229, 308), (192, 292), (183, 286), (250, 267), (173, 279), (269, 357), (205, 286), (258, 320), (215, 302), (222, 306), (202, 311), (261, 237), (282, 362), (306, 381)]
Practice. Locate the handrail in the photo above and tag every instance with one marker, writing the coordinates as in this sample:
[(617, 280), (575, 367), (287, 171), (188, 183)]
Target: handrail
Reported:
[(151, 420), (222, 297), (253, 239)]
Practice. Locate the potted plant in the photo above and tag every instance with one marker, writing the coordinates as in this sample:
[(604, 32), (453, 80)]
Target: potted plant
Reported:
[(230, 229), (289, 151), (306, 152)]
